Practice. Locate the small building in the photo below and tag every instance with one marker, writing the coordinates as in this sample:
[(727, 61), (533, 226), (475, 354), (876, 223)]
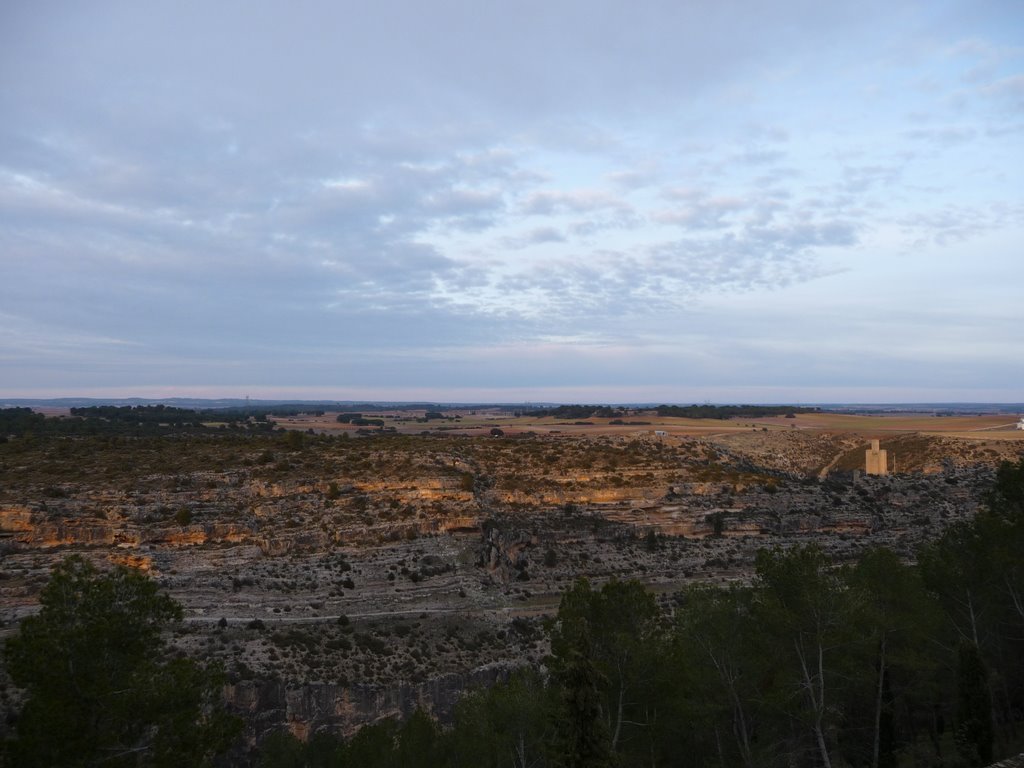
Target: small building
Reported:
[(1020, 424), (876, 460), (660, 433)]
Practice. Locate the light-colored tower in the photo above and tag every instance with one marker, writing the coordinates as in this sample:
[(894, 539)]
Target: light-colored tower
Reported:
[(876, 461)]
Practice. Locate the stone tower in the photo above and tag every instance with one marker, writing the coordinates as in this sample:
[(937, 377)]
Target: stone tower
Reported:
[(876, 461)]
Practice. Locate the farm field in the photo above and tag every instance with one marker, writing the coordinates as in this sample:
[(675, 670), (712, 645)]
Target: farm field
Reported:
[(999, 426)]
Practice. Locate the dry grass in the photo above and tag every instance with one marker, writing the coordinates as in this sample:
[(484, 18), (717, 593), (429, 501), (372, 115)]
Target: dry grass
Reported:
[(840, 422), (1008, 436), (996, 427)]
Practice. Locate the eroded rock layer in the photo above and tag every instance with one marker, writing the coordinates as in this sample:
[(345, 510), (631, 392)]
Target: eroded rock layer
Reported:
[(345, 580)]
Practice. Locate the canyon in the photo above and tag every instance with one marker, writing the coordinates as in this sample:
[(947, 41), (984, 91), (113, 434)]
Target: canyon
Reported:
[(340, 579)]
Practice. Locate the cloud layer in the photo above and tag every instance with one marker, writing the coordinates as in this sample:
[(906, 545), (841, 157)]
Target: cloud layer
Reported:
[(675, 199)]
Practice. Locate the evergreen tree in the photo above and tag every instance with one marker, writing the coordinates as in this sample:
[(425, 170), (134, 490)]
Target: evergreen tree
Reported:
[(893, 658), (374, 746), (804, 616), (100, 689), (585, 741), (419, 743), (509, 725), (614, 629), (720, 665), (974, 735)]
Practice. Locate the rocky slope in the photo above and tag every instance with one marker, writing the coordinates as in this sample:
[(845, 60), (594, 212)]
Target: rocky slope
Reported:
[(344, 580)]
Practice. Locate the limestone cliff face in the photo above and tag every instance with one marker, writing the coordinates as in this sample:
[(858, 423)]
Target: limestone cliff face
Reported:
[(576, 489), (408, 526), (17, 518), (55, 533), (40, 528), (268, 705), (282, 542), (24, 526), (732, 522), (503, 550)]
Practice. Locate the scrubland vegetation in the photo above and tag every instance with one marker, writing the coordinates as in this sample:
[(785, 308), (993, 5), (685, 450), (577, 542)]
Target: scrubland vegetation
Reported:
[(793, 643), (878, 663)]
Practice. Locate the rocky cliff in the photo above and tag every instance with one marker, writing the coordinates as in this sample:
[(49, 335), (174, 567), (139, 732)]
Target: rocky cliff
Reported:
[(347, 580)]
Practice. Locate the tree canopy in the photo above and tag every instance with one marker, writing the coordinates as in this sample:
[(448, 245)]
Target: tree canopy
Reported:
[(101, 686)]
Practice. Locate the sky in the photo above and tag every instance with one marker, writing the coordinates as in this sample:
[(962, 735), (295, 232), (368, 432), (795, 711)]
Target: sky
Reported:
[(559, 200)]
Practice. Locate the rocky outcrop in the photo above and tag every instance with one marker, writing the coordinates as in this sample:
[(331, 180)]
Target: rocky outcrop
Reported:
[(45, 529), (504, 550), (267, 706), (15, 519), (1010, 762), (410, 543)]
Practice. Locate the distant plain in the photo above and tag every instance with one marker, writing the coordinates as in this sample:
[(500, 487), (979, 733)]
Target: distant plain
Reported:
[(476, 422)]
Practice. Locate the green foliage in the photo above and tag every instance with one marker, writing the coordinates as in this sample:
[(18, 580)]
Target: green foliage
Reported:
[(731, 411), (1006, 499), (20, 421), (606, 639), (358, 420), (373, 746), (509, 725), (956, 568), (416, 743), (282, 750), (815, 663), (976, 572), (812, 664), (127, 420), (419, 742), (804, 618), (583, 738), (974, 733), (576, 412), (717, 660), (139, 415), (98, 688), (893, 662)]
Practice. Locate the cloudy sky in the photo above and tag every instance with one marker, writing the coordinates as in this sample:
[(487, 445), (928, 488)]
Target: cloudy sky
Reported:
[(599, 201)]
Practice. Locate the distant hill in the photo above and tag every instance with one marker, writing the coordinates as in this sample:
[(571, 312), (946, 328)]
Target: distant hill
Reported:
[(241, 402), (550, 409)]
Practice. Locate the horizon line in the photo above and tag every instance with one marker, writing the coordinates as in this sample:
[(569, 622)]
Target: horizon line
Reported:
[(22, 400)]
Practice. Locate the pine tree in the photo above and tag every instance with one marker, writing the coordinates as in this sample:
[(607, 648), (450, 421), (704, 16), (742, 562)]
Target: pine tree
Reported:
[(100, 688)]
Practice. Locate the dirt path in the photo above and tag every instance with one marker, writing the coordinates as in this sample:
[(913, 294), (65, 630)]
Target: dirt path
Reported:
[(828, 467)]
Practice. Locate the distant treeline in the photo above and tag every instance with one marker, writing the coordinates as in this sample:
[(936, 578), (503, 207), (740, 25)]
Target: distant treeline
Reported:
[(297, 409), (128, 420), (576, 412), (141, 415), (405, 407), (357, 419), (19, 421), (731, 411)]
